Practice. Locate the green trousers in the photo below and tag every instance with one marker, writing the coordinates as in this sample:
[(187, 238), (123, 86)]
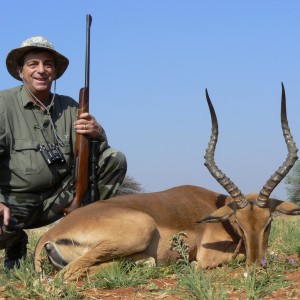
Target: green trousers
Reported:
[(39, 209)]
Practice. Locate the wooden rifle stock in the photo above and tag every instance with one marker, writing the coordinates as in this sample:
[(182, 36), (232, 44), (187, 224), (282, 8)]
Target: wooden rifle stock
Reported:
[(82, 146), (81, 157)]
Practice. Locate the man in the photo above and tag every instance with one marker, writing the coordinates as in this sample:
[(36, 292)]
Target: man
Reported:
[(37, 139)]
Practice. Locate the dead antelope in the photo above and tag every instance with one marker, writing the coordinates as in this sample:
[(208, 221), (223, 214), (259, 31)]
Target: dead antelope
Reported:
[(140, 226)]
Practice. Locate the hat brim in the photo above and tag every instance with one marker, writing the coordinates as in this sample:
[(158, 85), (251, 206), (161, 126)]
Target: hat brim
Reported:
[(14, 56)]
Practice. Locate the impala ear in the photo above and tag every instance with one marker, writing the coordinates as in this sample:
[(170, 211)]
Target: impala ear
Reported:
[(284, 207), (219, 215)]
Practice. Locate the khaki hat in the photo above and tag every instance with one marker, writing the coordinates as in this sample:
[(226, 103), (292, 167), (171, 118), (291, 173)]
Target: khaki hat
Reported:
[(36, 42)]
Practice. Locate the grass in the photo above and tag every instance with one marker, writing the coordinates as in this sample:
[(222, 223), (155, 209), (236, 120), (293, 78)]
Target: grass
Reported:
[(234, 282), (123, 274), (285, 237), (228, 282), (23, 283)]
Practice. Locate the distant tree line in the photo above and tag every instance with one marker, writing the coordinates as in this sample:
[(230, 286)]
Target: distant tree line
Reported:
[(292, 180), (130, 186)]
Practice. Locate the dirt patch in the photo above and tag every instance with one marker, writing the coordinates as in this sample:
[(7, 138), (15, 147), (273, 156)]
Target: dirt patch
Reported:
[(160, 288), (166, 288)]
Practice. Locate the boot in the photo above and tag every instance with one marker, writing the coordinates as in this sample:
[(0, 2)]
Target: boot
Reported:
[(15, 252)]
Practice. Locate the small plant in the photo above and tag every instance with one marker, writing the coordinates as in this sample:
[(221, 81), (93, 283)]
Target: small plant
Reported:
[(179, 245), (199, 285), (260, 283)]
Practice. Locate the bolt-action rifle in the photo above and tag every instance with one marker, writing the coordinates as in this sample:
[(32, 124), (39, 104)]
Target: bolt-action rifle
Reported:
[(85, 149)]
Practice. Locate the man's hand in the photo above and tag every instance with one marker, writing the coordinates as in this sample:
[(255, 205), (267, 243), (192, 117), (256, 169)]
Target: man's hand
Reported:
[(87, 124), (5, 213)]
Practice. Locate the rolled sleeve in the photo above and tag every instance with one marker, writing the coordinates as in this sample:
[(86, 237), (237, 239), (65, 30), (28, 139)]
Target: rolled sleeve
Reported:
[(103, 142)]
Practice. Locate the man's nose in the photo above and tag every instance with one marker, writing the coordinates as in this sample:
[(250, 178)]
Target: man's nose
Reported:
[(41, 68)]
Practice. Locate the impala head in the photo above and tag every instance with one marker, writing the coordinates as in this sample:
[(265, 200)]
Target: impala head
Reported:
[(251, 215)]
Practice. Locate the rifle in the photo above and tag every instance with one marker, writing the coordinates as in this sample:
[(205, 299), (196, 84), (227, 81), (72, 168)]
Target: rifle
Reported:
[(82, 146)]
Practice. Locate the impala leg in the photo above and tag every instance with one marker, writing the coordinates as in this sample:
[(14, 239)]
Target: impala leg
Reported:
[(90, 262), (73, 272), (101, 255)]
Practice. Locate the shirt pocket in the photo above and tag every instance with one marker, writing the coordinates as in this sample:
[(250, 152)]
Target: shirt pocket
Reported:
[(26, 158)]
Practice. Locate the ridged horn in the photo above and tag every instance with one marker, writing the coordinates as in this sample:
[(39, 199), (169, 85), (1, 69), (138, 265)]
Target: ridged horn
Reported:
[(225, 182), (275, 179)]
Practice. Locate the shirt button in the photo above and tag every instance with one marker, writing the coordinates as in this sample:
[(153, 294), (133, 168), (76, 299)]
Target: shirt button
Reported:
[(46, 123)]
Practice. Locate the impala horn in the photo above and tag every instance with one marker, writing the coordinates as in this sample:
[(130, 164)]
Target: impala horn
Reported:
[(264, 194), (225, 182)]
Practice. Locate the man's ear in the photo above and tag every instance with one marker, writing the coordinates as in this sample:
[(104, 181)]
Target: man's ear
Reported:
[(20, 73)]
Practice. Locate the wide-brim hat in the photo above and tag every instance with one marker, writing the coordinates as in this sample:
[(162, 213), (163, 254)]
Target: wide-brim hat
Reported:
[(37, 42)]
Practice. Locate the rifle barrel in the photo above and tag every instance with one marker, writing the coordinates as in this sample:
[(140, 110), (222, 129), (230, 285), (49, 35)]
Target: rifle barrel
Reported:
[(87, 52)]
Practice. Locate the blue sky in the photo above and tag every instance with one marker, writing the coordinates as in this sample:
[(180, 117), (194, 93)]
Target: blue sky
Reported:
[(150, 64)]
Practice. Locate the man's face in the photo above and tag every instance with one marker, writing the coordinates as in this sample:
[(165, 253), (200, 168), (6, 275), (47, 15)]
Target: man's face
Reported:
[(38, 71)]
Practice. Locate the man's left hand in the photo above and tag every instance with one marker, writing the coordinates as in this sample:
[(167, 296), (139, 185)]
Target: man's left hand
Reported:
[(87, 124)]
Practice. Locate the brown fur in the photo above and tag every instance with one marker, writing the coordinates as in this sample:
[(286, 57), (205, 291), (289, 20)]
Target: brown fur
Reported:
[(140, 226)]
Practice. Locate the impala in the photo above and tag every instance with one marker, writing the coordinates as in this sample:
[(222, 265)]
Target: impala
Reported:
[(140, 226)]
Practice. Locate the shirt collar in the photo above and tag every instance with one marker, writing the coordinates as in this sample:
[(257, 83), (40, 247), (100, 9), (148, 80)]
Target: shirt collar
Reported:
[(26, 99)]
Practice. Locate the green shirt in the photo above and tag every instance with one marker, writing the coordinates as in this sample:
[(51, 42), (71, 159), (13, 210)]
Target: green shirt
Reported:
[(23, 128)]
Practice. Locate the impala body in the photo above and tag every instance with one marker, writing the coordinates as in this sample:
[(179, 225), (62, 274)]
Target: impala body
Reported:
[(140, 226)]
